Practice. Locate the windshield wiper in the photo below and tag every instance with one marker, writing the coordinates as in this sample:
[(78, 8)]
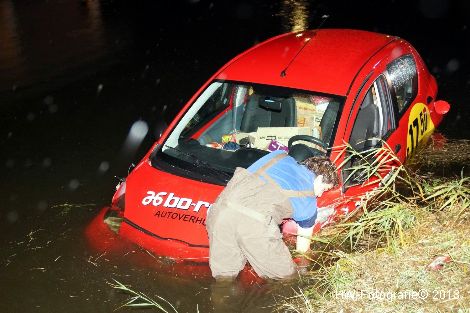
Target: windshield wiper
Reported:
[(203, 165)]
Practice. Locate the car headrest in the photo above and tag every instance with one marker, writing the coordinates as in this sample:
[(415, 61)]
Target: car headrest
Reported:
[(270, 103)]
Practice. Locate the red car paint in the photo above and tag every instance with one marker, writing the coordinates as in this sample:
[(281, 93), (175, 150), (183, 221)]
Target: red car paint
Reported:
[(164, 212)]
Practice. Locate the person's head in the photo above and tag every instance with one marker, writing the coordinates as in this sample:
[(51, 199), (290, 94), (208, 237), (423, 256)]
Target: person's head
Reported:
[(325, 171)]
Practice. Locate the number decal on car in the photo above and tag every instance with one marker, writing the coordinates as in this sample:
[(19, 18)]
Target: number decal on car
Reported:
[(419, 125)]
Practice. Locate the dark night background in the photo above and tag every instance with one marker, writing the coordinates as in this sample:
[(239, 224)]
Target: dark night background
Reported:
[(75, 75)]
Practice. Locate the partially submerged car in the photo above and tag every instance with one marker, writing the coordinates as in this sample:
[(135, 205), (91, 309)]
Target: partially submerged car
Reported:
[(304, 92)]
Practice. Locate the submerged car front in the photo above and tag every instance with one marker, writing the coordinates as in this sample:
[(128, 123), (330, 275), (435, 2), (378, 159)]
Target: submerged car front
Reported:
[(229, 125)]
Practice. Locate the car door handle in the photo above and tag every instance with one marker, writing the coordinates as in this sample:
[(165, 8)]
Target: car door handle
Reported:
[(397, 147)]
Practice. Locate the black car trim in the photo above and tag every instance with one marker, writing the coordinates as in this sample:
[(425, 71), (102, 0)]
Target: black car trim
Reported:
[(160, 237)]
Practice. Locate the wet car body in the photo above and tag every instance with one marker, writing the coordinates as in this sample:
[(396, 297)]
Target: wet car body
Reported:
[(339, 86)]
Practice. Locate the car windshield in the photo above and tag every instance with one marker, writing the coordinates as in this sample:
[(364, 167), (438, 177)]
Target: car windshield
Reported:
[(233, 124)]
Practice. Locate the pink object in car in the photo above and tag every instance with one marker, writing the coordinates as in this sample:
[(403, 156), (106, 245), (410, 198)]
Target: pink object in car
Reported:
[(276, 145)]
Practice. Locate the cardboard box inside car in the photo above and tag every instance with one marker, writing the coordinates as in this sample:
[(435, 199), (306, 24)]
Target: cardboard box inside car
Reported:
[(264, 135)]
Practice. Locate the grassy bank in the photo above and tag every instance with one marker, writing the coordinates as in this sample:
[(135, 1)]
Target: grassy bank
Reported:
[(407, 249)]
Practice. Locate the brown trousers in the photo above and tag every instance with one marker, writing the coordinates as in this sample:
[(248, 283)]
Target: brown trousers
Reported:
[(243, 226)]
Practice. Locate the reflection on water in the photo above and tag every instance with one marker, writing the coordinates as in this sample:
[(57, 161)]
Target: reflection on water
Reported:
[(47, 41), (43, 40), (11, 58), (46, 248), (94, 19), (295, 15)]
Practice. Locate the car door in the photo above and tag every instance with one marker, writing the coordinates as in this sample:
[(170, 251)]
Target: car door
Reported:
[(375, 125), (390, 115)]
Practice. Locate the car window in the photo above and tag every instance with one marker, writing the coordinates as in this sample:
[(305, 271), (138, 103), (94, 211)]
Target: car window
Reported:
[(233, 124), (374, 122), (375, 119), (262, 114), (214, 104), (403, 77)]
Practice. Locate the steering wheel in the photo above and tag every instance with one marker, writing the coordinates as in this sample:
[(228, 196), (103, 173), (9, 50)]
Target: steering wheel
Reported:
[(301, 152)]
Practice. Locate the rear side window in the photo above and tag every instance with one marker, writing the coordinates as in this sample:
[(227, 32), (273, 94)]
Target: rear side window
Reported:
[(402, 75)]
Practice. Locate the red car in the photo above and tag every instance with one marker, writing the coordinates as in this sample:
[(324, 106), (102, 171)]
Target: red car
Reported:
[(305, 92)]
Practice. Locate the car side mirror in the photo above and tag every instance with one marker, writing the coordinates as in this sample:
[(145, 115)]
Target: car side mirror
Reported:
[(441, 107)]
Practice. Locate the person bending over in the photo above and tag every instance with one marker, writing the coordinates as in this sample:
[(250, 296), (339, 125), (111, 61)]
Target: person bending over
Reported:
[(243, 223)]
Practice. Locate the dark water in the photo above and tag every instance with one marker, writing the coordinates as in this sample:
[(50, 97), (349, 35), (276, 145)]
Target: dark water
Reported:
[(74, 77)]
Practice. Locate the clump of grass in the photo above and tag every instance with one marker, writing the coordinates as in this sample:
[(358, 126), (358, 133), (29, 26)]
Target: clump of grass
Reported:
[(371, 166), (293, 306), (408, 213), (454, 194), (66, 207), (141, 300), (386, 224), (383, 213), (349, 285)]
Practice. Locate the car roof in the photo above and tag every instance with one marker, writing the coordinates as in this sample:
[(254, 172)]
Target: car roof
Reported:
[(328, 63)]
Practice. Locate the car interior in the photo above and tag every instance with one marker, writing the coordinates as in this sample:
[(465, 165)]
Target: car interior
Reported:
[(238, 124)]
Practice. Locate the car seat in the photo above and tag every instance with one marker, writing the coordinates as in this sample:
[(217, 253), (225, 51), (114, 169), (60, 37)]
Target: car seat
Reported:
[(259, 113)]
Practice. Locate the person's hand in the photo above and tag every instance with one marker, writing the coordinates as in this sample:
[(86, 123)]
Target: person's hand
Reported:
[(304, 236)]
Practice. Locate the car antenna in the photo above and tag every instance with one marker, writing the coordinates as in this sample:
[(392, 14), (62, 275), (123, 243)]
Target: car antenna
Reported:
[(284, 71)]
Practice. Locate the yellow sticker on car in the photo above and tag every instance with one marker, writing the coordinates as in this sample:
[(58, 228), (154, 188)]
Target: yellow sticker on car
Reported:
[(419, 126)]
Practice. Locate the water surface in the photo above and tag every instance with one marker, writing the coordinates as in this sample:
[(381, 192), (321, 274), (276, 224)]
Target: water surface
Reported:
[(76, 75)]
